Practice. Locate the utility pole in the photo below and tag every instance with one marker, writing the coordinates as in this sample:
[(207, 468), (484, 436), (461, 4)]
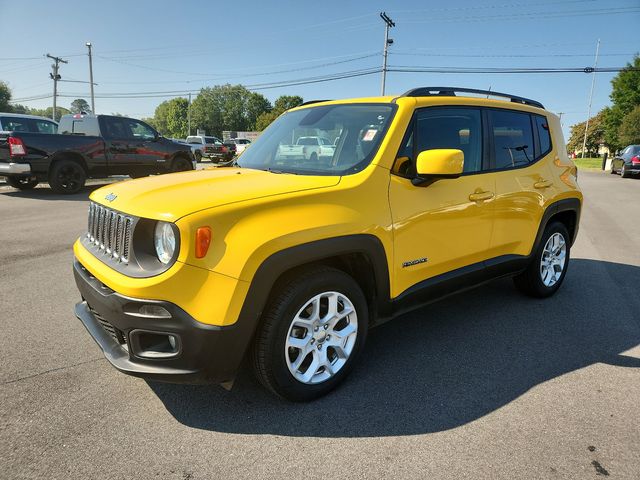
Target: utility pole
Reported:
[(560, 115), (93, 99), (189, 115), (387, 41), (593, 84), (55, 77)]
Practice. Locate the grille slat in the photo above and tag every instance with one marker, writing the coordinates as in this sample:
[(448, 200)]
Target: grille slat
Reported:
[(118, 335), (110, 231)]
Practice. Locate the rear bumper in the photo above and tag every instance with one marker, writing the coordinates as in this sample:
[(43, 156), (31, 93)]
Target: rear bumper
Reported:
[(205, 353), (15, 169)]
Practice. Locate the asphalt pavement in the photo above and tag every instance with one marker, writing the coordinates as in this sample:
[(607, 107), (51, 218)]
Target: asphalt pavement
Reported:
[(486, 384)]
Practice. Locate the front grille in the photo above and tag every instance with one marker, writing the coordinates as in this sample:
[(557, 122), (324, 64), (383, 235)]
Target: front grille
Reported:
[(110, 231), (118, 335)]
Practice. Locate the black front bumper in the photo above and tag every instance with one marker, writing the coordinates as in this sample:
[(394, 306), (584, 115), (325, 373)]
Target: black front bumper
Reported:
[(206, 354)]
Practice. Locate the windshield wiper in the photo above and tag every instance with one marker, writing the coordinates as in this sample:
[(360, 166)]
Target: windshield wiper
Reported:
[(275, 170)]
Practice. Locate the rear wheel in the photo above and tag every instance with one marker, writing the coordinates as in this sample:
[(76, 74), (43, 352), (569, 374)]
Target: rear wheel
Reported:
[(311, 334), (22, 183), (547, 270), (67, 177), (623, 172), (181, 165)]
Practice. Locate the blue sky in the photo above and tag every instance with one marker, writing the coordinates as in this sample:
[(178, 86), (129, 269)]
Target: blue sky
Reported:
[(143, 47)]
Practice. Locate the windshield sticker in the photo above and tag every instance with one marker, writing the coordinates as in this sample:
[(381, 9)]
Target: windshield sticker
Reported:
[(369, 135)]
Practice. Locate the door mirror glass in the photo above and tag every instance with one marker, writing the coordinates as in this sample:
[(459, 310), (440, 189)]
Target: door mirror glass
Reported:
[(439, 163)]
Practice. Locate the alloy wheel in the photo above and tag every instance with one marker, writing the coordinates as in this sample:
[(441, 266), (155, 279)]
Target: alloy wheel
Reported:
[(321, 337), (553, 260)]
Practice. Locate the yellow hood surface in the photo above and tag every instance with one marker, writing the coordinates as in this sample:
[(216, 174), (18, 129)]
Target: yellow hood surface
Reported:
[(170, 197)]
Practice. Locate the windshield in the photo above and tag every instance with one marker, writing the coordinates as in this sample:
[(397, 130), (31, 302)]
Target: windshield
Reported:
[(322, 140)]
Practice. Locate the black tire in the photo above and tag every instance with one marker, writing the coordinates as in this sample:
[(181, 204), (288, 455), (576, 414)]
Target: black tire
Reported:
[(623, 172), (181, 164), (22, 183), (198, 156), (67, 177), (530, 281), (268, 349), (313, 157)]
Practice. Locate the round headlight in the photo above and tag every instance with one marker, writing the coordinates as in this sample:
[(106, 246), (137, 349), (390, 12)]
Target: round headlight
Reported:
[(165, 242)]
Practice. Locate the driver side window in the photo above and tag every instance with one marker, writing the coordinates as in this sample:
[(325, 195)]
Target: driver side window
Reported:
[(437, 127)]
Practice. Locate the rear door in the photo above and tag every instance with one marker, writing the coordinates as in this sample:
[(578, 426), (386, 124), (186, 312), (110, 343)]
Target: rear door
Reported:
[(520, 143)]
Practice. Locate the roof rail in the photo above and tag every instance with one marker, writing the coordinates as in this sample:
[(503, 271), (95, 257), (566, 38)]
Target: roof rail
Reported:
[(451, 92), (313, 101)]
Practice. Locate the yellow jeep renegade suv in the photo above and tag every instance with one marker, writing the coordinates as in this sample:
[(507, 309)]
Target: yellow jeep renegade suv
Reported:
[(341, 215)]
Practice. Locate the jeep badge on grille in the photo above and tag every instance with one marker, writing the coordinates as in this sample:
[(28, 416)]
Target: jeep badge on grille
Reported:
[(111, 197)]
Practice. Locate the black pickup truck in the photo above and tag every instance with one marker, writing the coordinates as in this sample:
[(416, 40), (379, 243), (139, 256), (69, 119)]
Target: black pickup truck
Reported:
[(89, 146)]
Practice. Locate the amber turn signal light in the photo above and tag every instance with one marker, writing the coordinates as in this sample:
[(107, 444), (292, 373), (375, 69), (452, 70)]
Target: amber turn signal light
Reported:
[(203, 240)]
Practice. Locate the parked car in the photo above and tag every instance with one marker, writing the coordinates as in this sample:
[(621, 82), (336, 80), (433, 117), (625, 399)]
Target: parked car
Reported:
[(239, 144), (627, 163), (308, 148), (289, 262), (208, 146), (89, 146), (15, 122)]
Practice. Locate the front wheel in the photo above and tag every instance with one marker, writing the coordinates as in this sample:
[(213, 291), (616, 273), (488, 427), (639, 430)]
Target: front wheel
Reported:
[(22, 183), (311, 334), (547, 270)]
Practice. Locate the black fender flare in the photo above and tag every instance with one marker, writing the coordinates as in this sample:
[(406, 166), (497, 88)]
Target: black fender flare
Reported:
[(565, 205)]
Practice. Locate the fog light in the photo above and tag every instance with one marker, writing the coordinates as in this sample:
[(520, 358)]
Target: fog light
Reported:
[(172, 342), (154, 311)]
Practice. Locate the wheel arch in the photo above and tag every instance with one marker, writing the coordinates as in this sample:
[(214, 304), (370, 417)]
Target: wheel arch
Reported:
[(566, 211), (361, 255), (72, 156)]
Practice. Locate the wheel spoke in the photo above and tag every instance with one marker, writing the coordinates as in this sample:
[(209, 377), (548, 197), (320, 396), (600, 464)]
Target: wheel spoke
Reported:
[(312, 369)]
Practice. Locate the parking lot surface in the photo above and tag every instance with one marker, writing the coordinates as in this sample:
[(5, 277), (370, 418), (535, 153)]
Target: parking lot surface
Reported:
[(486, 384)]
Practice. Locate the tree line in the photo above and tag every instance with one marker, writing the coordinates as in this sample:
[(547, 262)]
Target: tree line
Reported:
[(214, 109), (219, 108), (615, 126)]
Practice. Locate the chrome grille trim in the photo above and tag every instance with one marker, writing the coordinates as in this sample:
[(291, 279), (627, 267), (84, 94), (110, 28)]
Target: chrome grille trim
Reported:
[(109, 232)]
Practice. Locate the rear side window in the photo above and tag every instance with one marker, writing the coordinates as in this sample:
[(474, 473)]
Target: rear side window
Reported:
[(42, 126), (543, 135), (512, 137), (14, 124)]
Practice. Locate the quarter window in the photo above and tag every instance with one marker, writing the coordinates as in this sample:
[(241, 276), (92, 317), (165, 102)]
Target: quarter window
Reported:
[(543, 134), (512, 138)]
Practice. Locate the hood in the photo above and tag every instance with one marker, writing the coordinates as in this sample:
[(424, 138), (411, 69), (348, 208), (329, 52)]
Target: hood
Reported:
[(170, 197)]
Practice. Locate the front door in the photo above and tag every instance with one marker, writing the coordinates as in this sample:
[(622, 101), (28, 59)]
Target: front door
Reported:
[(446, 225), (131, 145)]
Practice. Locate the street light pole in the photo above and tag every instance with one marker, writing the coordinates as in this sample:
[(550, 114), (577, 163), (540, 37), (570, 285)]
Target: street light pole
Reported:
[(387, 41), (55, 77), (93, 100), (593, 84)]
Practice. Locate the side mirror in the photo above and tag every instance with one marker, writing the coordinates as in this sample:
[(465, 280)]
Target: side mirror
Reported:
[(438, 163)]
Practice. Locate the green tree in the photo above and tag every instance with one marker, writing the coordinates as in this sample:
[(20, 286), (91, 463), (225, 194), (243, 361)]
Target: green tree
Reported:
[(629, 131), (625, 95), (226, 107), (281, 105), (595, 135), (5, 98), (171, 117), (80, 105), (48, 112)]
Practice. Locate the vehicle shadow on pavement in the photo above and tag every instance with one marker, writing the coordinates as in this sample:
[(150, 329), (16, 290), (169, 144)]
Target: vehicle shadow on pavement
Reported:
[(444, 365), (45, 193)]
